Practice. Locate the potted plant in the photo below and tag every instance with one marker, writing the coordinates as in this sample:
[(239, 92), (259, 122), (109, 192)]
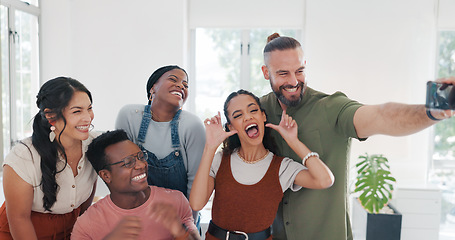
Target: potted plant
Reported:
[(374, 186)]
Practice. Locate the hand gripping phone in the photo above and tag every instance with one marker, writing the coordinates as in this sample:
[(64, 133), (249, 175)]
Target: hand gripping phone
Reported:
[(440, 96)]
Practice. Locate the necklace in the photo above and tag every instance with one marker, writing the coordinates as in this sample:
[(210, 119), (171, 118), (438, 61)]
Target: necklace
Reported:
[(254, 161)]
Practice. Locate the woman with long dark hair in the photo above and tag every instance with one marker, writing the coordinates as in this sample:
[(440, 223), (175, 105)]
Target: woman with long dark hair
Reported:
[(47, 180), (248, 178)]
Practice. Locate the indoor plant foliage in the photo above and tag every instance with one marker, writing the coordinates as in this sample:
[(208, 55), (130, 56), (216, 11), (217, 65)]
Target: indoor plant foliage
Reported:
[(374, 182)]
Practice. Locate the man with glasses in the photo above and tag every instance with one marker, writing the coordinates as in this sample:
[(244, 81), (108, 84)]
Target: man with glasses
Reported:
[(132, 210)]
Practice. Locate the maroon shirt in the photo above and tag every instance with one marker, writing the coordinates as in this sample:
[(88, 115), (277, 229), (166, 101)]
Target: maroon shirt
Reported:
[(246, 208)]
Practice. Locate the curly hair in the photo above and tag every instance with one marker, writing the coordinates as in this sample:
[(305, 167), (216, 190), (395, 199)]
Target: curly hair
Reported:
[(233, 142), (96, 154)]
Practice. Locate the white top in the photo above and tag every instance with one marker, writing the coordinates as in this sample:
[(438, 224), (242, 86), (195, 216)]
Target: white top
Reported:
[(73, 191), (249, 174)]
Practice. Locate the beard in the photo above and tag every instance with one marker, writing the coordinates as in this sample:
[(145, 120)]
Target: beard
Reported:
[(294, 101)]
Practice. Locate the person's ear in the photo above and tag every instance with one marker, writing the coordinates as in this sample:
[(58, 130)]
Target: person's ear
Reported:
[(152, 91), (264, 116), (50, 116), (265, 71), (105, 175), (229, 126)]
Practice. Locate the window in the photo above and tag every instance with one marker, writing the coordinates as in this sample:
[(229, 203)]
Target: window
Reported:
[(225, 61), (442, 165), (19, 69), (31, 2)]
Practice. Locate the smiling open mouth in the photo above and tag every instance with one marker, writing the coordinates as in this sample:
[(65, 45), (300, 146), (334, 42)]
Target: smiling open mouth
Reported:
[(290, 88), (139, 177), (252, 130), (83, 127), (178, 94)]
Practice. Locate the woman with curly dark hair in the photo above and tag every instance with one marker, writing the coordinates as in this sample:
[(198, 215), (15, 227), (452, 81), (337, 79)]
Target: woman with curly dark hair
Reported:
[(248, 178), (47, 180)]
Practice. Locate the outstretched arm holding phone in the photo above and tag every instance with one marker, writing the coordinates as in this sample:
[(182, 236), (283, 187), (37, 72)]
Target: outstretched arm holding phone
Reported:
[(398, 119)]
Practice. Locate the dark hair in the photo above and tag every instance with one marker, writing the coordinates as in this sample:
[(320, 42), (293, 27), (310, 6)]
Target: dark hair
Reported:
[(96, 150), (233, 142), (276, 42), (156, 76), (54, 96)]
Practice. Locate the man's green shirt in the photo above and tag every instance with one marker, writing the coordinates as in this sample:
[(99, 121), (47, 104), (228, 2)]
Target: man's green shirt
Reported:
[(325, 126)]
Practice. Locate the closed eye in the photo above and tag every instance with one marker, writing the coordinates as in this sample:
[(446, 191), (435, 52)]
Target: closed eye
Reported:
[(236, 116), (128, 162)]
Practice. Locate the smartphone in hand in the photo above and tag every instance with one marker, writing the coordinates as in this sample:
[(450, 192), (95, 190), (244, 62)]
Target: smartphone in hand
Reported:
[(440, 95)]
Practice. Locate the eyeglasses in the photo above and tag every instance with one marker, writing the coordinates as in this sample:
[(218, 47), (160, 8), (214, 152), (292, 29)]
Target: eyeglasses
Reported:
[(130, 161)]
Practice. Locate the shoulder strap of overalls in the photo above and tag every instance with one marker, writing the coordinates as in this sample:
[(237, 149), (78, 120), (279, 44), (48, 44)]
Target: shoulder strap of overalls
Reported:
[(175, 130), (146, 117)]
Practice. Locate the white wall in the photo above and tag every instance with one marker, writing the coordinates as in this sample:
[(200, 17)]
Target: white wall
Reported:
[(446, 18), (112, 47), (246, 14), (375, 51)]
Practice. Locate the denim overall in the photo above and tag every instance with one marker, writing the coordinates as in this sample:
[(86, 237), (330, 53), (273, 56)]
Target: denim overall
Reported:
[(170, 171)]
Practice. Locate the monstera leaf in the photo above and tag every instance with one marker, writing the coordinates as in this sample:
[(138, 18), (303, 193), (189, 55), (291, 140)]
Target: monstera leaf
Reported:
[(374, 182)]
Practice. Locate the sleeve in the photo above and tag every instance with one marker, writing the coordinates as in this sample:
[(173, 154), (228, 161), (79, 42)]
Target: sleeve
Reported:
[(194, 147), (124, 121), (186, 214), (288, 171), (79, 233), (20, 159), (342, 110), (215, 164)]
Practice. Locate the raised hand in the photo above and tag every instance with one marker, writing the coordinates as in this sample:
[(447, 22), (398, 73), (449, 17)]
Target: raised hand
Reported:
[(444, 114), (214, 132), (167, 215), (204, 184), (287, 127), (128, 228)]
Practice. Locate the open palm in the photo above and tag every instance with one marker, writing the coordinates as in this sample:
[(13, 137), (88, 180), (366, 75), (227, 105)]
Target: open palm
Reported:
[(214, 132), (287, 127)]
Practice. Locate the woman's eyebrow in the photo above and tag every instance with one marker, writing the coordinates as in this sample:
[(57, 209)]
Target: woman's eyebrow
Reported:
[(234, 112), (79, 107)]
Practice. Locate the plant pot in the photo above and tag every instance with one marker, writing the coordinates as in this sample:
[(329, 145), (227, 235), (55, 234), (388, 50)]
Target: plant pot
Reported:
[(367, 226)]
